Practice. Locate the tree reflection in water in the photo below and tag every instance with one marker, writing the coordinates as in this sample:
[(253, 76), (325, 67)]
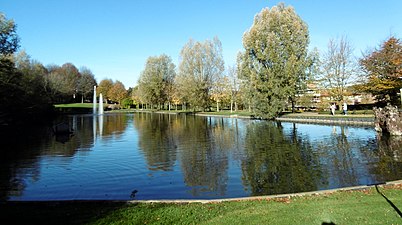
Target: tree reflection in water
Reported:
[(389, 158), (274, 163), (204, 157), (200, 144), (157, 140)]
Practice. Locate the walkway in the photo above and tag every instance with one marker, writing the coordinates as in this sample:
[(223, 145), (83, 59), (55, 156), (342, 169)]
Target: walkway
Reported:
[(313, 117)]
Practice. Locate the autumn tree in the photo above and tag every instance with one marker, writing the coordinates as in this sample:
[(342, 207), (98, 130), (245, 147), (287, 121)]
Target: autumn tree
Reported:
[(104, 87), (117, 92), (134, 96), (383, 71), (338, 68), (221, 90), (201, 63), (273, 63)]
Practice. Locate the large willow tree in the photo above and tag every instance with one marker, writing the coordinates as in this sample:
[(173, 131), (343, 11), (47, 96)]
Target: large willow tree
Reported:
[(274, 61)]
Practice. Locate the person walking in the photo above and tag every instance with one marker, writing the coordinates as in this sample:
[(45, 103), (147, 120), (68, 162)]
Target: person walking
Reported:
[(333, 107), (345, 108)]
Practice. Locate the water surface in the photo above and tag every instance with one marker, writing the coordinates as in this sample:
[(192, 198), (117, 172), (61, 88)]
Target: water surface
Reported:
[(159, 156)]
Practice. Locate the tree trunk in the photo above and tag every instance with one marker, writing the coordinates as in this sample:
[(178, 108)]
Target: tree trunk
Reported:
[(293, 105)]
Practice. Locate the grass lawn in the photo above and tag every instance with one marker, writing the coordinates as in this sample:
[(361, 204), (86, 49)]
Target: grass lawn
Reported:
[(228, 113), (345, 207), (75, 105)]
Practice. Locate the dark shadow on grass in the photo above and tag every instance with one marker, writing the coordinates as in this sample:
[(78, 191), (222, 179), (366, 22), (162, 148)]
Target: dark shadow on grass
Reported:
[(56, 212), (389, 201)]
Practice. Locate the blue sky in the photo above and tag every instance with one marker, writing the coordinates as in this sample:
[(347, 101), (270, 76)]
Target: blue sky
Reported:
[(115, 37)]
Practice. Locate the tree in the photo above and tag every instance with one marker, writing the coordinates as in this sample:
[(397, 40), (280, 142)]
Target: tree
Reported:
[(221, 91), (10, 79), (32, 81), (9, 40), (156, 81), (86, 83), (118, 92), (338, 68), (135, 96), (201, 64), (64, 82), (273, 63), (104, 87), (234, 87), (383, 71)]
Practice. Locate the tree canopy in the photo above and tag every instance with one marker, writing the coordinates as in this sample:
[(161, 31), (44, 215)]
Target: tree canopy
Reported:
[(118, 92), (9, 40), (156, 81), (201, 64), (274, 61), (383, 71), (338, 68)]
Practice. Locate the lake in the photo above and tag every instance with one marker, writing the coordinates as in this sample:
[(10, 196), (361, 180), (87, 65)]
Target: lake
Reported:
[(167, 156)]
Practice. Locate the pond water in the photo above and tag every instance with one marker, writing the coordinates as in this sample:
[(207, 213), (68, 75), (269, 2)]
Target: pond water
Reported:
[(161, 156)]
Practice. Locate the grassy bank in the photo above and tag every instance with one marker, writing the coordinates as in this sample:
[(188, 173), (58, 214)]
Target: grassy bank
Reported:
[(74, 108), (75, 105), (345, 207)]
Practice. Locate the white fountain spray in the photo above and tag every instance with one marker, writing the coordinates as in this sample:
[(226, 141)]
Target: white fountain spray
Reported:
[(100, 104), (94, 102), (100, 117)]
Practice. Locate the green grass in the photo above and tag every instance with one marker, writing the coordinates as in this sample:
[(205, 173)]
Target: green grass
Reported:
[(353, 112), (220, 113), (356, 207), (227, 113), (75, 105), (327, 115)]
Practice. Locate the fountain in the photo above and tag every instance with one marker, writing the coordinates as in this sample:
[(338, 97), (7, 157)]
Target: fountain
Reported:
[(94, 102), (100, 104)]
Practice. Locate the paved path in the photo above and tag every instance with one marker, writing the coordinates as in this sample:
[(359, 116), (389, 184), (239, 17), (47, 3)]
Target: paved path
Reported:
[(312, 117)]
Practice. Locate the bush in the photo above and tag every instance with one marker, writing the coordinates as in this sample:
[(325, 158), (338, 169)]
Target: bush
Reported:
[(126, 103)]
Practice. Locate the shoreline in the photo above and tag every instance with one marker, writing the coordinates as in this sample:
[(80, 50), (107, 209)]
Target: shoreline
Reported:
[(389, 184), (307, 117)]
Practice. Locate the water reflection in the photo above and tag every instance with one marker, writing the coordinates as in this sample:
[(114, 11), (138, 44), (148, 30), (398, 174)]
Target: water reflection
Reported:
[(204, 155), (199, 144), (389, 163), (157, 140), (274, 163), (176, 156)]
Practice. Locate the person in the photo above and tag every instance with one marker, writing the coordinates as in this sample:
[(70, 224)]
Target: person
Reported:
[(333, 107), (345, 108)]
